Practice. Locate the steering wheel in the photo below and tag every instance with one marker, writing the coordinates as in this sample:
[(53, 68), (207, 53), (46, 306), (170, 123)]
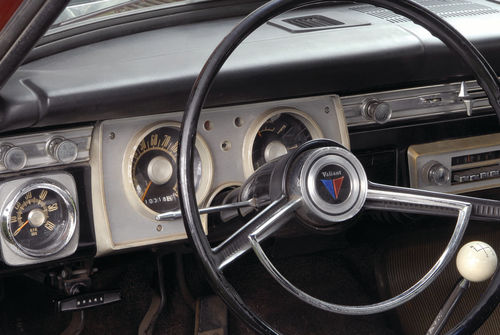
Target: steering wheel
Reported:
[(324, 184)]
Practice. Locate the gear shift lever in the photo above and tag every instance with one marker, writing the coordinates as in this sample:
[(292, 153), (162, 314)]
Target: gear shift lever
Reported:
[(476, 262)]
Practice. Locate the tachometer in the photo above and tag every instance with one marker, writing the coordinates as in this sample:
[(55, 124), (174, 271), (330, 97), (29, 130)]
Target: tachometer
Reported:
[(275, 134), (153, 168)]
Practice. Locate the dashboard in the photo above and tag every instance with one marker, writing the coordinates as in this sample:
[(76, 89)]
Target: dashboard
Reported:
[(95, 162), (133, 172)]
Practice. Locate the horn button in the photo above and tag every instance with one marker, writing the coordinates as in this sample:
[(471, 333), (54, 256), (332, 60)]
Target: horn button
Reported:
[(333, 185)]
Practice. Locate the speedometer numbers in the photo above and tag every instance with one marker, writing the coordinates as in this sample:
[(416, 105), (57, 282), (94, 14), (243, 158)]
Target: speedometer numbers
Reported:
[(40, 219), (153, 168)]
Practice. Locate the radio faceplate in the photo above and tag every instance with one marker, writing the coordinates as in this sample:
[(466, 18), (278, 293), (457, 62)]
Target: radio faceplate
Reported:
[(456, 166)]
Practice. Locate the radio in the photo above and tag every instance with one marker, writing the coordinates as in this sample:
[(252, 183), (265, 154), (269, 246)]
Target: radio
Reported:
[(456, 166)]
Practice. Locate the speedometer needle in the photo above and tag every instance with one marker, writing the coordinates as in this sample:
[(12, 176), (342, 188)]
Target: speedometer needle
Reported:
[(21, 227), (146, 191)]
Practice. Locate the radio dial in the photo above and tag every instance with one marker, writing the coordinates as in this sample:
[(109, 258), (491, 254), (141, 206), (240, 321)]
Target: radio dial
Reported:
[(438, 174)]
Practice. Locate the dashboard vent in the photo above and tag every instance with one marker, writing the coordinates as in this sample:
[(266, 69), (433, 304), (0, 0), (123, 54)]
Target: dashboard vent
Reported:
[(443, 8), (302, 24), (313, 21)]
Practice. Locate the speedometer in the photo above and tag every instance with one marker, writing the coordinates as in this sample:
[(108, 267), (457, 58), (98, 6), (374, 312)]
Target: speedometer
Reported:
[(275, 134), (152, 168)]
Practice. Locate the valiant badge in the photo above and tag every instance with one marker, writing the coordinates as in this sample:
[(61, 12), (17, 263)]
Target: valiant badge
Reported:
[(333, 184)]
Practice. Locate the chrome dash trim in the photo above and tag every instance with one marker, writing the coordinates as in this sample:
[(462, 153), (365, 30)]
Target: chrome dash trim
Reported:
[(35, 146), (417, 102)]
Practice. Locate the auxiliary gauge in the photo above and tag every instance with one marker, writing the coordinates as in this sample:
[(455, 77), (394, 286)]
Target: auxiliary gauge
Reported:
[(39, 219), (276, 133), (152, 168)]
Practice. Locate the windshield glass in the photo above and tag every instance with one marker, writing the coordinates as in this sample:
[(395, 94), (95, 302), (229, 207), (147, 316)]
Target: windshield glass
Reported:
[(81, 10)]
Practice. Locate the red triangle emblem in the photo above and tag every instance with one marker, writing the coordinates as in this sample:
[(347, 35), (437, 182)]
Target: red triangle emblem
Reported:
[(337, 184)]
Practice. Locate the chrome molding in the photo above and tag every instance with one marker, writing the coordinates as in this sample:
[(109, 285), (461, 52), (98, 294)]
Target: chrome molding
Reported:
[(36, 145), (418, 102)]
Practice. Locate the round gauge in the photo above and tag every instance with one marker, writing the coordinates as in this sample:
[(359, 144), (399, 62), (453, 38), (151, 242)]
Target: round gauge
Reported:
[(275, 134), (40, 219), (153, 168)]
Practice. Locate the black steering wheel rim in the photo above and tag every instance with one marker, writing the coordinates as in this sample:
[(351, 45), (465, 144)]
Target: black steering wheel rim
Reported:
[(483, 72)]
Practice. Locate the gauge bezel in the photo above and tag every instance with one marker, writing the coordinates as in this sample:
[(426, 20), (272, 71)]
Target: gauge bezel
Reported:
[(206, 163), (62, 240), (311, 125)]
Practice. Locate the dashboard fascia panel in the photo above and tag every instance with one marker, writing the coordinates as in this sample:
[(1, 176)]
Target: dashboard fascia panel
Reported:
[(118, 226)]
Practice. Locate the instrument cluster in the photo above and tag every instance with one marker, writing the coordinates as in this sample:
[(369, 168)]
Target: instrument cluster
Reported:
[(134, 161)]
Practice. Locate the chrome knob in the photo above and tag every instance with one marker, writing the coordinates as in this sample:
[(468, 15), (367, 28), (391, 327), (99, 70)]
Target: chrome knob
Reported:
[(62, 150), (438, 174), (13, 158), (376, 110)]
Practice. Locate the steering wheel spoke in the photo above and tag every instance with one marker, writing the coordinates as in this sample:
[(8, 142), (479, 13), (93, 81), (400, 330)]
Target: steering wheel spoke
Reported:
[(406, 200), (261, 226), (409, 200)]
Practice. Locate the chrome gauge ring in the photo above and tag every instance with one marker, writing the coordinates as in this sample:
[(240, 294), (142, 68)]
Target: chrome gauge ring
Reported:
[(151, 169), (39, 219)]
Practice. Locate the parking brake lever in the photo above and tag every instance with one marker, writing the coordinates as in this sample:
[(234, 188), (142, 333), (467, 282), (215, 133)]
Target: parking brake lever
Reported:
[(476, 262)]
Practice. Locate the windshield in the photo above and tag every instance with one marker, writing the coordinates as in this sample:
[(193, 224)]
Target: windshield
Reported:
[(81, 10)]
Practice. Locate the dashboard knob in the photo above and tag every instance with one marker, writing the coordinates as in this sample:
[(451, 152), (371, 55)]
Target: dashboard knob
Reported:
[(376, 110), (13, 158), (476, 261), (438, 174), (62, 150)]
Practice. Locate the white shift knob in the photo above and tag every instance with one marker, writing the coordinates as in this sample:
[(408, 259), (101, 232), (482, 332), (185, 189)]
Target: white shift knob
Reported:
[(476, 261)]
